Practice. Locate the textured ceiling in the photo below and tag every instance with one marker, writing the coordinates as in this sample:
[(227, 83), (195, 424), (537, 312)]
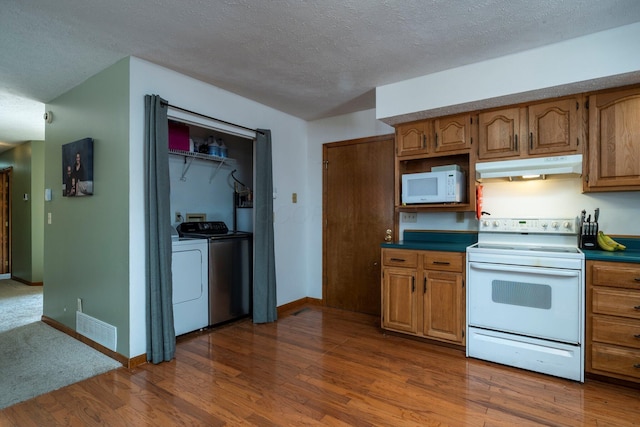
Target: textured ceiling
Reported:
[(310, 58)]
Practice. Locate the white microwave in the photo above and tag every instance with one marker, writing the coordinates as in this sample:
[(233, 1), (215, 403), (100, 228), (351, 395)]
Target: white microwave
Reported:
[(444, 186)]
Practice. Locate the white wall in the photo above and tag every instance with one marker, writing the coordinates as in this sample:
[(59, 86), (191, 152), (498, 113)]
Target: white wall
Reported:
[(339, 128), (554, 197), (289, 135), (608, 58)]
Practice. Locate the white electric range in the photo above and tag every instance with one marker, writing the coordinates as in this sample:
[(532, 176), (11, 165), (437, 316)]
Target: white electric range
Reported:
[(525, 295)]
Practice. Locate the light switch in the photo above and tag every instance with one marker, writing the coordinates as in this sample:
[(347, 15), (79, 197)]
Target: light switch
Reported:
[(294, 197), (48, 217)]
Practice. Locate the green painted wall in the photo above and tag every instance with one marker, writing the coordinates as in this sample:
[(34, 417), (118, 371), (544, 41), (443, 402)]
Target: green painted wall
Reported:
[(86, 246), (37, 210), (27, 177)]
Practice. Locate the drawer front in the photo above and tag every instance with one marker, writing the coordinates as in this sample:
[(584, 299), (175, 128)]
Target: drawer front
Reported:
[(616, 360), (621, 276), (445, 261), (622, 332), (616, 302), (399, 258)]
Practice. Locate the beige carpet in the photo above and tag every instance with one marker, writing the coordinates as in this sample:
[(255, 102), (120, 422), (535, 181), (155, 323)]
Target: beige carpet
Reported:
[(19, 304), (34, 357)]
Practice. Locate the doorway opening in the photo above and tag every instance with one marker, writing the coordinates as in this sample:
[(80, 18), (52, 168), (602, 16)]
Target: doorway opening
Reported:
[(5, 222)]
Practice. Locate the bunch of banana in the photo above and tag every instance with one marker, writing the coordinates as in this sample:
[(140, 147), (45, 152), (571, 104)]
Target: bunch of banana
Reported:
[(608, 244)]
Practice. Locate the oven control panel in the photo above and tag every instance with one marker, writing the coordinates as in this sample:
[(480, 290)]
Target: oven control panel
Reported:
[(529, 225)]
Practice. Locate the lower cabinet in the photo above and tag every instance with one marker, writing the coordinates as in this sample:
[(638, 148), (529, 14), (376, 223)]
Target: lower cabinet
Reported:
[(613, 320), (423, 294)]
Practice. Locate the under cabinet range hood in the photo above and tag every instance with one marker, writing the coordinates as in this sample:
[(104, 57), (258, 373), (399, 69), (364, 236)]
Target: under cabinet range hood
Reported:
[(530, 168)]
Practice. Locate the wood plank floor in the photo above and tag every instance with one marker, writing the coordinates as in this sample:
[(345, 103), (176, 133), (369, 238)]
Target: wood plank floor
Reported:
[(323, 366)]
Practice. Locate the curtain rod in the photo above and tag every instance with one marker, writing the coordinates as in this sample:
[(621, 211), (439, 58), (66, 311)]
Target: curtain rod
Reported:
[(211, 118)]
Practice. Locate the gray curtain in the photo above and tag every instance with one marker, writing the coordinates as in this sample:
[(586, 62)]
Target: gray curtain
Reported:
[(161, 337), (264, 281)]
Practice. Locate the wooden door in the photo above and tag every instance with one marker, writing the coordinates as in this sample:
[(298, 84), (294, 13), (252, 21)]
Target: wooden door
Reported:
[(5, 221), (358, 208)]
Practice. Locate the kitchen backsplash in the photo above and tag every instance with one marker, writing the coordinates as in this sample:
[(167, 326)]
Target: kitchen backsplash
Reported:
[(557, 197)]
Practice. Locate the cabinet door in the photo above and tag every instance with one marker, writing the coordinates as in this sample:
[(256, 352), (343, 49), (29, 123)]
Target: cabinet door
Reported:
[(554, 127), (453, 133), (498, 134), (413, 138), (614, 141), (399, 299), (443, 306)]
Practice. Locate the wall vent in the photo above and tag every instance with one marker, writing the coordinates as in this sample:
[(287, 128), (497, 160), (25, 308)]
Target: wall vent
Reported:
[(96, 330)]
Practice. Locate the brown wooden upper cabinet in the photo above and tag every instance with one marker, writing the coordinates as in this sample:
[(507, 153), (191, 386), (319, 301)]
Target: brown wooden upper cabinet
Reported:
[(614, 141), (498, 133), (549, 128), (453, 133), (444, 135), (414, 138)]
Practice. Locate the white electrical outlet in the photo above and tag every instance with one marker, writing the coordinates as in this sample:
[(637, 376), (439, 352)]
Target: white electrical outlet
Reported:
[(409, 217)]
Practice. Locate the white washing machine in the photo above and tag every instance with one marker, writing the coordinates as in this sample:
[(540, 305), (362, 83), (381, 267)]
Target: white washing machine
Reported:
[(189, 267)]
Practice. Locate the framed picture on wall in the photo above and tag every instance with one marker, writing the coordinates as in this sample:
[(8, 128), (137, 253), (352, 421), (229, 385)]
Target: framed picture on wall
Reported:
[(77, 168)]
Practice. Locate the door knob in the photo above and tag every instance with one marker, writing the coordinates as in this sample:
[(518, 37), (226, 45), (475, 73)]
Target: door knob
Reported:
[(388, 235)]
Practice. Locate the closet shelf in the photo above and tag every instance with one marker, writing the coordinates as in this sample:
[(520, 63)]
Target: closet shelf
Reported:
[(190, 155)]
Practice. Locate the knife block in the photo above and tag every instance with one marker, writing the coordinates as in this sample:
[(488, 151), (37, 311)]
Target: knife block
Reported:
[(589, 235)]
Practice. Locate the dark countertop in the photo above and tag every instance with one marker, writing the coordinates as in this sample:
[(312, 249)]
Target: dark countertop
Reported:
[(457, 241), (448, 241), (631, 254)]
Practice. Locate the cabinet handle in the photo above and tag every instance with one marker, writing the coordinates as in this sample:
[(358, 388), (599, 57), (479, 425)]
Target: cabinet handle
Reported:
[(436, 140), (424, 290), (531, 140), (637, 308), (441, 262), (413, 284), (637, 336), (397, 260), (637, 366), (637, 279), (424, 140), (516, 142)]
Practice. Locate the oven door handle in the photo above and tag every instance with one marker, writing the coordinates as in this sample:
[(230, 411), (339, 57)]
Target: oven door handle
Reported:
[(523, 269)]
